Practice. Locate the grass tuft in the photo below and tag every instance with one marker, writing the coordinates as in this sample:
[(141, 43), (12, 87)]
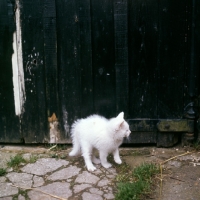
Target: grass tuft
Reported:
[(137, 184), (2, 171), (16, 161), (33, 159)]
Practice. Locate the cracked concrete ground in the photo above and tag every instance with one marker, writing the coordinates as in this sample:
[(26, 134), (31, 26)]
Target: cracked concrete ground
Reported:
[(55, 173)]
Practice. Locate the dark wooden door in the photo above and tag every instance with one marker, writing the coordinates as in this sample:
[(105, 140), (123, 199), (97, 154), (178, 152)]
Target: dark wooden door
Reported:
[(103, 57), (9, 122)]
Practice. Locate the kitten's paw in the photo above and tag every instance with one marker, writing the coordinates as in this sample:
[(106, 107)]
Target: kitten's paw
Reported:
[(107, 165), (118, 161), (72, 153), (91, 168)]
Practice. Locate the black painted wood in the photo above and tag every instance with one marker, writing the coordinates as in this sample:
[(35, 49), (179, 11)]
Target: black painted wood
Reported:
[(103, 57), (191, 88), (34, 119), (121, 55), (103, 51), (143, 50), (197, 42), (87, 100), (173, 44), (50, 57), (9, 122), (69, 69)]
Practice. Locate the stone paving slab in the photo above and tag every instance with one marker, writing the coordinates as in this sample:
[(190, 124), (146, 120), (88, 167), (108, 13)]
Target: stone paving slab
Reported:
[(68, 179), (44, 165), (61, 189), (64, 174), (6, 189), (20, 179)]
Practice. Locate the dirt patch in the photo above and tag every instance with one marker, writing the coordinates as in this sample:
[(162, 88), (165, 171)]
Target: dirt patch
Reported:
[(181, 182)]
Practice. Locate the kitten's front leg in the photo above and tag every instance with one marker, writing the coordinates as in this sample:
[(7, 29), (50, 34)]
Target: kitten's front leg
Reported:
[(103, 158), (116, 156)]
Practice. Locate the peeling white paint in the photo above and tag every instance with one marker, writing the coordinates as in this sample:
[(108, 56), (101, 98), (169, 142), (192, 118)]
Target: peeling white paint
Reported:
[(65, 121), (17, 65)]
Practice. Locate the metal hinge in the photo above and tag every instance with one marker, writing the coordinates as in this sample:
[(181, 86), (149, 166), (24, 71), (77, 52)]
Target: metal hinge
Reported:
[(162, 125), (174, 125)]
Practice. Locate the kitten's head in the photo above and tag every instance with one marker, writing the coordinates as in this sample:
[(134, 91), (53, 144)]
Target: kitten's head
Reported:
[(121, 126)]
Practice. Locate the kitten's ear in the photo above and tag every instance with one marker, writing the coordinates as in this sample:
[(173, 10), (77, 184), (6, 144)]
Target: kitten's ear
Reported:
[(119, 121), (119, 125), (121, 115)]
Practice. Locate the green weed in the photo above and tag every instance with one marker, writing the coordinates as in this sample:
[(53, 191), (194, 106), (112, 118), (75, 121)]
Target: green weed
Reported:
[(21, 192), (145, 171), (16, 161), (137, 183), (2, 171), (33, 159), (124, 173)]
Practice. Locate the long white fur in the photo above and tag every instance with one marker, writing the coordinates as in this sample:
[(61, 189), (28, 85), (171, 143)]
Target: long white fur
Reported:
[(97, 132)]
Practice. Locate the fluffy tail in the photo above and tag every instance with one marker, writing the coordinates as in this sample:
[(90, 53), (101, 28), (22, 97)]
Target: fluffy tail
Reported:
[(76, 145)]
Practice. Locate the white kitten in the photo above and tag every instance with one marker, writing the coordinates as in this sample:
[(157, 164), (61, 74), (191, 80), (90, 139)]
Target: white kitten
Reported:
[(96, 132)]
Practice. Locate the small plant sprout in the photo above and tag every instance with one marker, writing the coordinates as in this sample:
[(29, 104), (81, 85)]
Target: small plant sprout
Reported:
[(2, 171), (137, 184), (16, 161)]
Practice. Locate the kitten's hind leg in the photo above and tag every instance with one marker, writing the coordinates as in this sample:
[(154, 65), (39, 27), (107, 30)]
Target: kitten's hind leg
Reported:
[(103, 158), (76, 148), (95, 160), (87, 153)]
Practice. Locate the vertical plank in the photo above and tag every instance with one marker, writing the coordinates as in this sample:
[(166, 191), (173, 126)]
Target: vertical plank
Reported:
[(9, 122), (87, 104), (197, 47), (172, 58), (103, 50), (50, 59), (34, 121), (121, 55), (143, 46), (191, 85), (69, 70)]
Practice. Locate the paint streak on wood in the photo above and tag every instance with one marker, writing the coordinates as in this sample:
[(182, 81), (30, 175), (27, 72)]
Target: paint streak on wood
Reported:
[(17, 65)]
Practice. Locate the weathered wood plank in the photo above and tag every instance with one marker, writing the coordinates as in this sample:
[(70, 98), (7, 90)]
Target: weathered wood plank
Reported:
[(69, 70), (192, 40), (103, 51), (9, 122), (121, 55), (87, 104), (50, 52), (172, 58), (143, 47), (34, 121)]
